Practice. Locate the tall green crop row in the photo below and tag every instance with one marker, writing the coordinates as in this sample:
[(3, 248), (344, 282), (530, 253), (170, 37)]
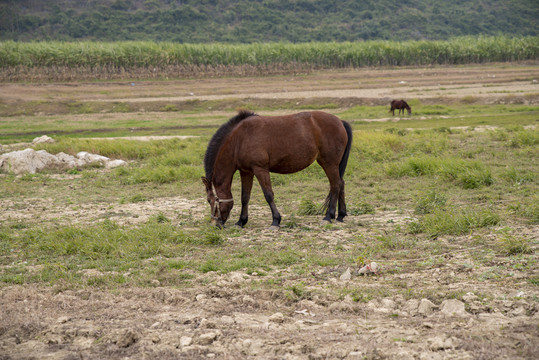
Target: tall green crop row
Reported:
[(347, 54)]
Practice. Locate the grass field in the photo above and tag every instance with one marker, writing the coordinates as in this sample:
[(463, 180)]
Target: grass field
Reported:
[(446, 201)]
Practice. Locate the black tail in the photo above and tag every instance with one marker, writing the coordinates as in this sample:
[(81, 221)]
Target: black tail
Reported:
[(344, 160), (343, 163)]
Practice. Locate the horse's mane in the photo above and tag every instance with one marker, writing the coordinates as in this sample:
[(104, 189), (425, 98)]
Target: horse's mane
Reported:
[(218, 138)]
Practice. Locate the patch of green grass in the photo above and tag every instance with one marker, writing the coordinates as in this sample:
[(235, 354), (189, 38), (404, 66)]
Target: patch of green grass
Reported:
[(361, 209), (524, 138), (434, 110), (159, 174), (528, 208), (430, 202), (468, 174), (80, 108), (517, 178), (509, 245), (454, 221), (170, 107), (308, 207)]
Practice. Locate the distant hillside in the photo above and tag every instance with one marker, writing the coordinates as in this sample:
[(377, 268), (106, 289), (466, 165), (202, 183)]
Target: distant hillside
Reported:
[(243, 21)]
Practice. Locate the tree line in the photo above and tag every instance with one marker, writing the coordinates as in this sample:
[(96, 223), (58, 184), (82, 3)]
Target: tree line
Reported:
[(246, 21)]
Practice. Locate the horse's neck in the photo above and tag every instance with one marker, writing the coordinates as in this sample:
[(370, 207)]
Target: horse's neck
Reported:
[(224, 169)]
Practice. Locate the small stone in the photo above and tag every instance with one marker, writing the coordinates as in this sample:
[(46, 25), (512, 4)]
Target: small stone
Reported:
[(411, 306), (186, 341), (426, 307), (43, 140), (439, 343), (453, 307), (207, 339), (63, 319), (127, 339), (277, 318), (201, 297), (206, 324), (388, 304), (114, 163), (155, 338)]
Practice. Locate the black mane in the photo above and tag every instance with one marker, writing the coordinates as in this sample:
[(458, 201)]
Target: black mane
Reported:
[(218, 138)]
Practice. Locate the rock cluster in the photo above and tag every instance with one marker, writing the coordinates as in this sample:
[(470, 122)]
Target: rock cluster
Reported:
[(29, 161)]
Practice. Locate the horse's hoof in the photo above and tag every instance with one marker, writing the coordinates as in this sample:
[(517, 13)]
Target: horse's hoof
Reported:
[(274, 227)]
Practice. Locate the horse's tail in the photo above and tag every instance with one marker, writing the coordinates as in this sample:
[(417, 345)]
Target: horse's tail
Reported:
[(342, 164), (344, 160)]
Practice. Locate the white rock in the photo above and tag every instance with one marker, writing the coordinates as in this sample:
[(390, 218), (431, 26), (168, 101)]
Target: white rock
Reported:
[(411, 306), (63, 319), (201, 297), (388, 304), (426, 307), (277, 318), (207, 339), (31, 161), (186, 341), (90, 158), (27, 161), (114, 163), (68, 160), (43, 140), (453, 307)]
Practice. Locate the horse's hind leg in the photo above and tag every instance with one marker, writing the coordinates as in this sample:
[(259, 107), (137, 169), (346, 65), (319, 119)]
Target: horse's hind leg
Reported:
[(264, 179), (342, 204), (246, 186), (335, 186)]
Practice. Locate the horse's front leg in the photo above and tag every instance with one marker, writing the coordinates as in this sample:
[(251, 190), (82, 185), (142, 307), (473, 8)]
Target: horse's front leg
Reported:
[(246, 186), (264, 179)]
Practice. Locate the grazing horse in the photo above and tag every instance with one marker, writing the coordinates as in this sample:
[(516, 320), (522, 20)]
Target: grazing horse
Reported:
[(257, 145), (401, 105)]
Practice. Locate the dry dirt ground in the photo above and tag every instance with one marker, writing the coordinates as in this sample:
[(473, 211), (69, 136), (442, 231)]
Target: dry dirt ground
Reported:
[(228, 316)]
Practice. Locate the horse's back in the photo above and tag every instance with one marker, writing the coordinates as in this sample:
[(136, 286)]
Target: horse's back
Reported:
[(290, 143)]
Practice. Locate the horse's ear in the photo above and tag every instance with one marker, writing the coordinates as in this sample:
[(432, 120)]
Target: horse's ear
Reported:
[(206, 183)]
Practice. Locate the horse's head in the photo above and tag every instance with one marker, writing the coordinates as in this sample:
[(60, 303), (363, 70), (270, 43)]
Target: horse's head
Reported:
[(220, 208), (409, 110)]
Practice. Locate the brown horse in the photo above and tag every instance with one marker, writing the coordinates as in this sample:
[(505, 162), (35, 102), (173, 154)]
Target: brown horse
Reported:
[(257, 145), (401, 105)]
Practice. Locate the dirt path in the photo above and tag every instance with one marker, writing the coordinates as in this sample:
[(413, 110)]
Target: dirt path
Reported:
[(403, 90), (480, 80)]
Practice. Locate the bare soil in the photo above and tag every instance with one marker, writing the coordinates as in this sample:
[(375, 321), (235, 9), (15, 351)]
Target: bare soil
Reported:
[(230, 316)]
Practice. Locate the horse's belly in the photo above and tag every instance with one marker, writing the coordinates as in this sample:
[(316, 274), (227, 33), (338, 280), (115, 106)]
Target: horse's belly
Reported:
[(292, 163)]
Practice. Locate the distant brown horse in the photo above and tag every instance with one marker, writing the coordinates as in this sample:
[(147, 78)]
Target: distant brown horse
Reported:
[(257, 145), (401, 105)]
